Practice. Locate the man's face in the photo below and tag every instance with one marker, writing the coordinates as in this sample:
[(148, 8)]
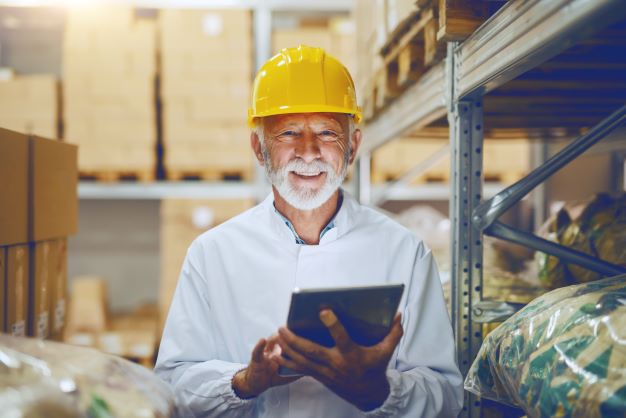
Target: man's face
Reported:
[(306, 156)]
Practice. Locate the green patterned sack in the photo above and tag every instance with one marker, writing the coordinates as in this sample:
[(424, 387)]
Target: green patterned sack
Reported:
[(563, 355), (599, 230)]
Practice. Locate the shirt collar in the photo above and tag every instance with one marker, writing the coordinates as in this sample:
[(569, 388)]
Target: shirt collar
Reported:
[(328, 227), (339, 224)]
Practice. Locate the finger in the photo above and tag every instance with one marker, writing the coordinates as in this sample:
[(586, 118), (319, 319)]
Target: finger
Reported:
[(303, 346), (272, 348), (301, 363), (257, 351), (394, 336), (337, 331)]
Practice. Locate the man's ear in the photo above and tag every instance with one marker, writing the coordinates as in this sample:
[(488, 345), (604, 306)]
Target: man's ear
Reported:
[(255, 142), (356, 143)]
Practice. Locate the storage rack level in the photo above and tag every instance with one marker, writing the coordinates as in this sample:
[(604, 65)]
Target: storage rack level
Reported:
[(535, 65)]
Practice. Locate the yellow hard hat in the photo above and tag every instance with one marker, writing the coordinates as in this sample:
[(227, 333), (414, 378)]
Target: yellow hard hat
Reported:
[(303, 80)]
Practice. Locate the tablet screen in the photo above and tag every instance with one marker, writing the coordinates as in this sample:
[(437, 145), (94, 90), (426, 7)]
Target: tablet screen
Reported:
[(366, 312)]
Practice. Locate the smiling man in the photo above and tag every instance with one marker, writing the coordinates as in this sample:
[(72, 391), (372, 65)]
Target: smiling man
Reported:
[(225, 336)]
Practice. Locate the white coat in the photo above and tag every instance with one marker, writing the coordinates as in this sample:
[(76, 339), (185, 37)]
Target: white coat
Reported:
[(235, 288)]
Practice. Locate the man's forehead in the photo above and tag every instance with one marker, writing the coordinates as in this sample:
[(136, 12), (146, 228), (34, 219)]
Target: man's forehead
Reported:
[(312, 119)]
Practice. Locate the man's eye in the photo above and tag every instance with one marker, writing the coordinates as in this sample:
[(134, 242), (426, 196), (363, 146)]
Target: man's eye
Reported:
[(287, 135), (328, 135)]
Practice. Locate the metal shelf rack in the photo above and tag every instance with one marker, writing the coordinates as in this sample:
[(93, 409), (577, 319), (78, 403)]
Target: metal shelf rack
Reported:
[(489, 81)]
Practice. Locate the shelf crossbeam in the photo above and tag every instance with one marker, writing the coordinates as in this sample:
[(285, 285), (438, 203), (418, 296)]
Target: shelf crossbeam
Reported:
[(505, 232), (524, 34), (489, 211)]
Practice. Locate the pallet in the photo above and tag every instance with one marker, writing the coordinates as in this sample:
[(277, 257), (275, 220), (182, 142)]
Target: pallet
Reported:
[(418, 43), (410, 51), (209, 174), (506, 178), (111, 176)]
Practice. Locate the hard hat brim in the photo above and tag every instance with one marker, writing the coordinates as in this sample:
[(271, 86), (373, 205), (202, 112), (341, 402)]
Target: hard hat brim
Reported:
[(284, 110)]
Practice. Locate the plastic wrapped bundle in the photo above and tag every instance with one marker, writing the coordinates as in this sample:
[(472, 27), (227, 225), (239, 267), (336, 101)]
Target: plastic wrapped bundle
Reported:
[(46, 379), (599, 230), (563, 355)]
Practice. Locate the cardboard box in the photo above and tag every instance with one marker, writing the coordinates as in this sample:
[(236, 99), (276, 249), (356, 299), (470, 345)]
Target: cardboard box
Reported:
[(53, 185), (88, 308), (42, 260), (110, 67), (2, 289), (205, 54), (17, 289), (58, 288), (182, 220), (30, 105), (14, 186)]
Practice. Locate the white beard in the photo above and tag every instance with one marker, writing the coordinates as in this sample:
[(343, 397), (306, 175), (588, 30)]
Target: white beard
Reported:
[(305, 198)]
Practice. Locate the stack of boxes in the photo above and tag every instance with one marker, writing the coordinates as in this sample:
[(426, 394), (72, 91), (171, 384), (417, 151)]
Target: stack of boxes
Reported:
[(30, 104), (371, 27), (109, 74), (504, 160), (206, 74), (336, 36), (38, 176), (133, 336), (182, 221)]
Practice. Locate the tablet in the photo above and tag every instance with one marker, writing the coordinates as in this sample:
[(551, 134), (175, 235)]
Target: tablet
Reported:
[(365, 312)]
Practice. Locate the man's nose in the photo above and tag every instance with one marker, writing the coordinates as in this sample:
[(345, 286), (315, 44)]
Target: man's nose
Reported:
[(308, 148)]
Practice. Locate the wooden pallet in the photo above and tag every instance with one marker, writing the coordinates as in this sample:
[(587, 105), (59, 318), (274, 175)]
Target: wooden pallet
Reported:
[(410, 51), (380, 176), (209, 174), (110, 176), (418, 43)]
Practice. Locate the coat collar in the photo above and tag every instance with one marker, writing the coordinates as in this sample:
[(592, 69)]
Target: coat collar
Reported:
[(344, 219)]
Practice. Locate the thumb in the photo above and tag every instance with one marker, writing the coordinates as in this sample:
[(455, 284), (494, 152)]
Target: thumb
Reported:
[(392, 339)]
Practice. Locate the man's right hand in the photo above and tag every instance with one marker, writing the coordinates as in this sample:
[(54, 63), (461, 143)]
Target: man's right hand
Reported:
[(262, 372)]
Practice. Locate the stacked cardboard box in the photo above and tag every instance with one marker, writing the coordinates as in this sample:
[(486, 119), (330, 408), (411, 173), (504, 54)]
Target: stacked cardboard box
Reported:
[(206, 68), (38, 176), (371, 26), (182, 220), (336, 36), (396, 158), (109, 70), (30, 104), (133, 335), (505, 161)]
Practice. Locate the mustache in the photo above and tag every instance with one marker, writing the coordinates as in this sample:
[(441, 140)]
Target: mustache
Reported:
[(315, 166)]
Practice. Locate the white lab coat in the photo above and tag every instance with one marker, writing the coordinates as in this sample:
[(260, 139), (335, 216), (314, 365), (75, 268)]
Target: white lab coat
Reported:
[(235, 288)]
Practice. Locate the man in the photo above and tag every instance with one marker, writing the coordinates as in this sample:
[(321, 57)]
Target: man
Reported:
[(222, 344)]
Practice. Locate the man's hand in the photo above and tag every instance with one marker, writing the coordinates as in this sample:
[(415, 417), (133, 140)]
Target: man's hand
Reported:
[(262, 372), (355, 373)]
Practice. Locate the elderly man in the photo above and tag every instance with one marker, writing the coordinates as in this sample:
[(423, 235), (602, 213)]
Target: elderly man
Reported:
[(222, 344)]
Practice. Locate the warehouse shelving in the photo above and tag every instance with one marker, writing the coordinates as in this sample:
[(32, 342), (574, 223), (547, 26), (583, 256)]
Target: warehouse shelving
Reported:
[(503, 58), (89, 190)]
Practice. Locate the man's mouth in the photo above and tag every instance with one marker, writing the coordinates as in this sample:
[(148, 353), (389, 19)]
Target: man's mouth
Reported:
[(308, 175)]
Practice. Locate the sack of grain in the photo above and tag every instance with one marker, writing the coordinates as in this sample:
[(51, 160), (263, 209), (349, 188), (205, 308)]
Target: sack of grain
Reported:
[(47, 379), (562, 355)]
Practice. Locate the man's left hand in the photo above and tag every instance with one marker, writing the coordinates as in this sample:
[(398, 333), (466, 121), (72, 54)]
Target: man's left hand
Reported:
[(354, 372)]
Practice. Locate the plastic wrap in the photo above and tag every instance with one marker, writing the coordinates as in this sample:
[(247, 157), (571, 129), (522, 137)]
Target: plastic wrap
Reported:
[(598, 230), (47, 379), (563, 355)]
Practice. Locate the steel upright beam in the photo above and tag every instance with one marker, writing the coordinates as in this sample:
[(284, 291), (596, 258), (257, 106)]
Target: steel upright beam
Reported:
[(466, 135), (363, 179)]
